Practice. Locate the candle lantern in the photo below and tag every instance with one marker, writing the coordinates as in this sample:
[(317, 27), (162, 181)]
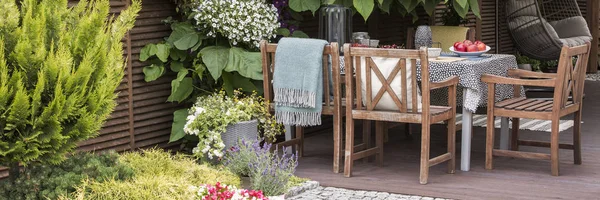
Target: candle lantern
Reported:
[(335, 24)]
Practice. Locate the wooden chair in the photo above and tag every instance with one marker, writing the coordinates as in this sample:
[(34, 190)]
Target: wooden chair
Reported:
[(426, 117), (331, 107), (569, 80)]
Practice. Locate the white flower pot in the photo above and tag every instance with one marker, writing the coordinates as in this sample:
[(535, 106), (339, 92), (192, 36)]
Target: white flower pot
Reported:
[(247, 130), (280, 197)]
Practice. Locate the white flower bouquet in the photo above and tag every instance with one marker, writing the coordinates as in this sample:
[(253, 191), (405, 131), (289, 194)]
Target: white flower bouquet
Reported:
[(241, 21)]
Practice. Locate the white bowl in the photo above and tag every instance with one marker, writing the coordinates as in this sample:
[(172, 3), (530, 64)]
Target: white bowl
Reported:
[(434, 52), (471, 54)]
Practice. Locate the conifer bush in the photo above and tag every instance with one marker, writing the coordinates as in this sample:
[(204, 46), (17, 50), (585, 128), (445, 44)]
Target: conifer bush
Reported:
[(59, 68)]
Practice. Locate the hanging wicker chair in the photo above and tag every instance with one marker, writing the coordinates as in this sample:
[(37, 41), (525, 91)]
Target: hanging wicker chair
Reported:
[(540, 28)]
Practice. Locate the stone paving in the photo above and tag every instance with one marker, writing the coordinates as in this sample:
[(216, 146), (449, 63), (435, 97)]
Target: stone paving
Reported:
[(322, 193)]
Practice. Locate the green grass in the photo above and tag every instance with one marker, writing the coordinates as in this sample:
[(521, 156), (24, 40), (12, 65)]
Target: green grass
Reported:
[(158, 175)]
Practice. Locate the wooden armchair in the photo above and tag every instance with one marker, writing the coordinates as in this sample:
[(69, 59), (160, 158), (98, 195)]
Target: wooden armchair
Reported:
[(569, 80), (364, 108), (331, 107)]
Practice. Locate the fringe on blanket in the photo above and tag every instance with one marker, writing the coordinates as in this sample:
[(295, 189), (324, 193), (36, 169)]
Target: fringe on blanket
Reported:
[(294, 98), (298, 118)]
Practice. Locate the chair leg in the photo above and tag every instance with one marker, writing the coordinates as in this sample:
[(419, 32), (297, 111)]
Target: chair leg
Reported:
[(489, 144), (337, 143), (367, 133), (348, 160), (452, 145), (577, 138), (300, 144), (554, 147), (514, 136), (425, 133), (379, 137)]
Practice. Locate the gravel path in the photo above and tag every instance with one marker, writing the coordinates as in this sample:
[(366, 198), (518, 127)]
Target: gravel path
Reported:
[(593, 77), (322, 193)]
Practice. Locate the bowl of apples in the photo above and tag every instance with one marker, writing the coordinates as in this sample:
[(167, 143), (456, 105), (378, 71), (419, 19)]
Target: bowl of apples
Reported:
[(468, 48)]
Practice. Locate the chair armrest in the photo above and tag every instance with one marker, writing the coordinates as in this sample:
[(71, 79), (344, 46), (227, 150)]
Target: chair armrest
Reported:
[(487, 78), (519, 73), (453, 80)]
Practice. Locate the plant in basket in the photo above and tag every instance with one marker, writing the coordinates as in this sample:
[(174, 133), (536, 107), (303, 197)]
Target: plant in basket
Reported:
[(212, 118)]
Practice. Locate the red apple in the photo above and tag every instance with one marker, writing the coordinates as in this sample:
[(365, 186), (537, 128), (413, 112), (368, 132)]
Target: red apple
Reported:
[(481, 46), (472, 48), (461, 47), (477, 42), (456, 44), (467, 42)]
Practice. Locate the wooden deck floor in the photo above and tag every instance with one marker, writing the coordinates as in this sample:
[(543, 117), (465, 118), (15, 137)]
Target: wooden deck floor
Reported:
[(511, 178)]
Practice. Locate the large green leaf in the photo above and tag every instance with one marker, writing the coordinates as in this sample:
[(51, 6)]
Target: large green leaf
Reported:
[(181, 90), (283, 31), (153, 72), (304, 5), (176, 66), (248, 64), (179, 120), (184, 36), (346, 3), (461, 3), (215, 58), (385, 5), (148, 51), (299, 34), (187, 41), (177, 54), (162, 52), (462, 11), (474, 4), (364, 7), (409, 5), (430, 5)]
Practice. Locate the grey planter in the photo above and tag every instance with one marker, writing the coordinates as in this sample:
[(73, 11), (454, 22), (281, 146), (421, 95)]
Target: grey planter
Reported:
[(247, 130)]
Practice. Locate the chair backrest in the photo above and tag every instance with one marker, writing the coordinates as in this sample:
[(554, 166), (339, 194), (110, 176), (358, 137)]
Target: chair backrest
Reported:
[(572, 67), (353, 56), (268, 63)]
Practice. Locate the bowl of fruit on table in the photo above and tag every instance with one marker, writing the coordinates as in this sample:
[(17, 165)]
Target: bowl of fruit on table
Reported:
[(468, 48)]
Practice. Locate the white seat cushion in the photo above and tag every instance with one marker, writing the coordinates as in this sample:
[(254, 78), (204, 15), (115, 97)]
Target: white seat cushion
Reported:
[(386, 66)]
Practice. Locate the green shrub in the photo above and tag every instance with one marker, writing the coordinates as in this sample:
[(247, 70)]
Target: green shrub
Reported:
[(158, 175), (59, 68), (42, 181)]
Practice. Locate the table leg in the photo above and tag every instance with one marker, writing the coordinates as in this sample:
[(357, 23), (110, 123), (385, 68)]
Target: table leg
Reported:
[(504, 135), (467, 129)]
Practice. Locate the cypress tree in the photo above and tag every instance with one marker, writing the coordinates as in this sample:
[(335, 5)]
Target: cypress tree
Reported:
[(59, 68)]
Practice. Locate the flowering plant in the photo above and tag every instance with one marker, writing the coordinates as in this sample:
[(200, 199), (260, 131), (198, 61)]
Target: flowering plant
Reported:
[(241, 21), (225, 192), (211, 115)]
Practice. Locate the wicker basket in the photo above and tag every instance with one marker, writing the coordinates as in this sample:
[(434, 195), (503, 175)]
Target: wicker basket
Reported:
[(243, 130)]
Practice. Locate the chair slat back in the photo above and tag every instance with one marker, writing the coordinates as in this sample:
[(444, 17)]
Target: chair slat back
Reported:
[(355, 57), (268, 64), (572, 67)]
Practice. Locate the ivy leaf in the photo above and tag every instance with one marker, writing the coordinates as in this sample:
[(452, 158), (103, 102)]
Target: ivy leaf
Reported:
[(474, 4), (148, 51), (187, 41), (304, 5), (283, 31), (461, 3), (248, 64), (153, 72), (176, 66), (179, 120), (364, 7), (299, 34), (162, 52), (180, 90), (215, 58), (462, 11)]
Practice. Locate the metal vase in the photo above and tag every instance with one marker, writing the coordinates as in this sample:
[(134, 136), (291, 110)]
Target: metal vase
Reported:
[(423, 37)]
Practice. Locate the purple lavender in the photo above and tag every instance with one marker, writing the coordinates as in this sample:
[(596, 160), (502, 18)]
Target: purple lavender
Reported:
[(285, 16)]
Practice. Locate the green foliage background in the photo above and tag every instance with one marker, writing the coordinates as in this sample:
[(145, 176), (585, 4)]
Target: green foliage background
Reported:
[(59, 68)]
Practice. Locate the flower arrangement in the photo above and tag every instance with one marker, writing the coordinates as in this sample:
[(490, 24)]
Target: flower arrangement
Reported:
[(241, 21), (269, 171), (210, 116), (225, 192)]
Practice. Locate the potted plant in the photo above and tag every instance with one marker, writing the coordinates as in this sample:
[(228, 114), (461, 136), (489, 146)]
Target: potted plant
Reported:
[(550, 66), (219, 121), (527, 63)]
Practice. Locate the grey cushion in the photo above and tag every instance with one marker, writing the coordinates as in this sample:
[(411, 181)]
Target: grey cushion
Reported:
[(575, 41), (571, 27)]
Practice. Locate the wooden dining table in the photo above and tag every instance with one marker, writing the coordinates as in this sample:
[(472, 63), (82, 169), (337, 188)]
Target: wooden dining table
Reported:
[(473, 94)]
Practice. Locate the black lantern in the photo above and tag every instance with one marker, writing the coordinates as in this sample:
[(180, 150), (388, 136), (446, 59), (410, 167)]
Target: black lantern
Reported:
[(335, 24)]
